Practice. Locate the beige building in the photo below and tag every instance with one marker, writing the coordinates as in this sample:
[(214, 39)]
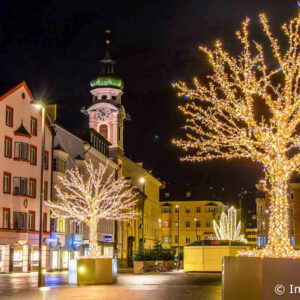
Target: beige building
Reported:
[(188, 220)]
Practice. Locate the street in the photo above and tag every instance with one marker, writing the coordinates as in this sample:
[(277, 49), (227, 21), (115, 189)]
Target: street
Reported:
[(171, 285)]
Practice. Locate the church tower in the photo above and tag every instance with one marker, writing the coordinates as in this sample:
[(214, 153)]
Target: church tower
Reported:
[(106, 115)]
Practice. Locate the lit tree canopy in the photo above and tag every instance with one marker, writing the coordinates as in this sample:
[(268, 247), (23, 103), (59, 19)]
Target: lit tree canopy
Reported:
[(93, 196), (223, 119)]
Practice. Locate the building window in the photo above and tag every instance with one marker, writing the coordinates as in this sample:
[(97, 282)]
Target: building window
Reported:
[(61, 225), (198, 238), (6, 218), (104, 130), (176, 209), (166, 209), (44, 222), (32, 187), (59, 165), (19, 220), (46, 160), (6, 182), (76, 228), (187, 239), (292, 196), (211, 209), (188, 194), (167, 239), (33, 126), (188, 224), (7, 147), (176, 239), (31, 220), (21, 150), (45, 190), (208, 223), (198, 209), (187, 210), (9, 116), (20, 186), (33, 150), (167, 195), (198, 223), (176, 223)]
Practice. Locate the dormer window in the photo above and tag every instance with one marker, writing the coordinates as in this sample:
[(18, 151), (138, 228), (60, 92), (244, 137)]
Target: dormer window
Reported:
[(167, 195), (188, 194)]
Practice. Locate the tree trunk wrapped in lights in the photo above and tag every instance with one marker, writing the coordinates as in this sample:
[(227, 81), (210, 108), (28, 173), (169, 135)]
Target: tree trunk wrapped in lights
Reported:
[(223, 121), (94, 196)]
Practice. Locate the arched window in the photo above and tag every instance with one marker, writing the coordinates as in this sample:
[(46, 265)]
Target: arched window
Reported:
[(104, 130)]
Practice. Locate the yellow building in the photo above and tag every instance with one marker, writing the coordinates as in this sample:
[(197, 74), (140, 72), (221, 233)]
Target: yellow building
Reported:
[(130, 234), (195, 219)]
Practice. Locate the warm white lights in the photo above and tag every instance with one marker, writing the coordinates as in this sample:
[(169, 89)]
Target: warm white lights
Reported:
[(93, 196), (223, 120), (142, 180), (227, 229)]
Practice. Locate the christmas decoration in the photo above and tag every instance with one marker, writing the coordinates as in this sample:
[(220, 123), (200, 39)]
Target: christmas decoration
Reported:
[(92, 196), (250, 108), (227, 229)]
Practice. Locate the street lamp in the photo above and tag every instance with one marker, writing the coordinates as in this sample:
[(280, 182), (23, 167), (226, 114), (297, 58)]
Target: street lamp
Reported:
[(196, 229), (142, 181), (177, 208), (40, 106)]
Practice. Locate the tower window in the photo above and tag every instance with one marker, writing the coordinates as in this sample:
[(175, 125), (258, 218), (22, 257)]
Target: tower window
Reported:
[(104, 97), (104, 130), (113, 97)]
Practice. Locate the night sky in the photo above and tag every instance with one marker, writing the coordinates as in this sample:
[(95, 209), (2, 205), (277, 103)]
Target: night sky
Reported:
[(55, 47)]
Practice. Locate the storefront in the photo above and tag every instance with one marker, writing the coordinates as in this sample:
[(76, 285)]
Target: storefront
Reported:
[(60, 254)]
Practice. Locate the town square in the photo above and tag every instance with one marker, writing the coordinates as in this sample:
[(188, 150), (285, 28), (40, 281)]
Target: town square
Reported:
[(150, 150)]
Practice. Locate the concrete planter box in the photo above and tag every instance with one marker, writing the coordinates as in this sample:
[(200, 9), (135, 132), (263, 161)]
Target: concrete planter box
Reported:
[(254, 278), (207, 258), (84, 271)]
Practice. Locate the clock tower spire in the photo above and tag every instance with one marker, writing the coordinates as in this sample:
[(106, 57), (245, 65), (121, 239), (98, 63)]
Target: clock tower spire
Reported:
[(106, 115)]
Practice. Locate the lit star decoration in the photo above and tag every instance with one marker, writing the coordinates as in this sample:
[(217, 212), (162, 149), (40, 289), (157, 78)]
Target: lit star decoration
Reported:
[(228, 230), (221, 121), (93, 196)]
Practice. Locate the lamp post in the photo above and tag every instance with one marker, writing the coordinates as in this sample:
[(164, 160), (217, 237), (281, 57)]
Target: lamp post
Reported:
[(177, 208), (142, 181), (41, 107), (196, 229)]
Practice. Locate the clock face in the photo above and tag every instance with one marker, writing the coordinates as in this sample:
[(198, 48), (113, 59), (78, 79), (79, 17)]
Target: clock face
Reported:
[(103, 113)]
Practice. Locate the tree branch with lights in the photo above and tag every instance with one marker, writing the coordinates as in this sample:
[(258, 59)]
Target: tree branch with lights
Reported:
[(223, 118), (93, 196)]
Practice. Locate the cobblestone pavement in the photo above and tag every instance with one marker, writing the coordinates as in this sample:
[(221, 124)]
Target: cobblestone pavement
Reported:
[(171, 285)]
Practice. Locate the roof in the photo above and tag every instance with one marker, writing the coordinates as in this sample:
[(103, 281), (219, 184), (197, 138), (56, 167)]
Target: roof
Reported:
[(108, 81), (22, 130), (211, 204), (22, 84)]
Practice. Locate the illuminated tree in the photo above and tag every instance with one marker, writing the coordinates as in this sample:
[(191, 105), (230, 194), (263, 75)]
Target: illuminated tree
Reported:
[(250, 108), (227, 229), (91, 197)]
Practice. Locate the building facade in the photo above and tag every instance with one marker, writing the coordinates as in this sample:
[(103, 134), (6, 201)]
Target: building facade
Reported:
[(20, 169), (70, 239), (187, 220)]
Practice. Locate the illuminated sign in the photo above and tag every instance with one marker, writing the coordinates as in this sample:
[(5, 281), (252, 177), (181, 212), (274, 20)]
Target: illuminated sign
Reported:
[(107, 238)]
